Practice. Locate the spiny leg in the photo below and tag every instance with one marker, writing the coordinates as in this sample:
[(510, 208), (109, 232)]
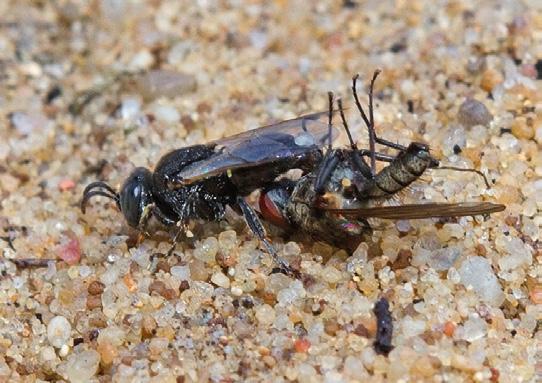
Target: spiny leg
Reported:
[(369, 121), (326, 168), (379, 156), (181, 223), (256, 226), (330, 120), (356, 157), (331, 159), (379, 140), (181, 228)]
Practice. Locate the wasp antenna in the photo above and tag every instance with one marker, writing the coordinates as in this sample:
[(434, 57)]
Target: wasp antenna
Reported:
[(345, 124), (99, 184), (470, 170), (88, 193), (330, 119)]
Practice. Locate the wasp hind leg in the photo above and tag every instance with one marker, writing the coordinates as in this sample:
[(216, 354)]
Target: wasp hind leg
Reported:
[(256, 226)]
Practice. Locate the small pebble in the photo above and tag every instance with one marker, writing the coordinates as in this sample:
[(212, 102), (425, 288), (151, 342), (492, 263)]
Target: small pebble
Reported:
[(26, 124), (181, 272), (490, 79), (207, 250), (83, 366), (331, 275), (158, 287), (70, 251), (449, 329), (59, 331), (47, 354), (165, 83), (477, 272), (302, 345), (198, 270), (166, 113), (142, 60), (523, 128), (474, 328), (535, 294), (220, 280), (130, 108), (472, 112), (227, 239), (443, 259), (64, 350), (96, 288), (265, 314), (66, 184), (236, 291), (108, 352)]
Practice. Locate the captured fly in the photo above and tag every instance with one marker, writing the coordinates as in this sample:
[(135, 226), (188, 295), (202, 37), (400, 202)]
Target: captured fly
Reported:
[(334, 202), (199, 181)]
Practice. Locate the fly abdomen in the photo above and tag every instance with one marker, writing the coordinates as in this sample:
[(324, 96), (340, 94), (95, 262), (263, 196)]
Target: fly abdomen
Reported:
[(406, 168)]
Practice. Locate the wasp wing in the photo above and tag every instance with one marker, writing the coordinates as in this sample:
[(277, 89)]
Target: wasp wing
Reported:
[(286, 139), (420, 211)]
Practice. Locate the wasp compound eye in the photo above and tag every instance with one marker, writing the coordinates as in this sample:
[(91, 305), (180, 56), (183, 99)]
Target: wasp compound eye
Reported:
[(135, 195)]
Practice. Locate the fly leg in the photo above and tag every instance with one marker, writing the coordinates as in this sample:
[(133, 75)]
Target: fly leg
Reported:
[(331, 159), (326, 168), (357, 158), (256, 226), (369, 121), (379, 156)]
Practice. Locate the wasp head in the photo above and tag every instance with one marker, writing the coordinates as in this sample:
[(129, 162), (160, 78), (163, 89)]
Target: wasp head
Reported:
[(133, 200)]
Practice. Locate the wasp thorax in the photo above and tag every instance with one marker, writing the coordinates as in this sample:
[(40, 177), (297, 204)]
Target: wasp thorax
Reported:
[(135, 195)]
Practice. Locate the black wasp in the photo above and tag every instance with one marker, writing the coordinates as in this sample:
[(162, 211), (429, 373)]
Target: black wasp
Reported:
[(199, 181), (335, 200)]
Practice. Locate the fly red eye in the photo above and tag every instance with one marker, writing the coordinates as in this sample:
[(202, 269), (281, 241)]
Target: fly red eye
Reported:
[(271, 211)]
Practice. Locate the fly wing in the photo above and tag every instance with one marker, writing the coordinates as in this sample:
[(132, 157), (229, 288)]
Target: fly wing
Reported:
[(286, 139), (420, 211)]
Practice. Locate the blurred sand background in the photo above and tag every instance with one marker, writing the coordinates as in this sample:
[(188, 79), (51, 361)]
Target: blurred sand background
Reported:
[(91, 89)]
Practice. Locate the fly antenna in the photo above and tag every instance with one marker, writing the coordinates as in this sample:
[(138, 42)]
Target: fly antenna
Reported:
[(470, 170), (345, 124)]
